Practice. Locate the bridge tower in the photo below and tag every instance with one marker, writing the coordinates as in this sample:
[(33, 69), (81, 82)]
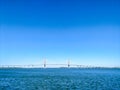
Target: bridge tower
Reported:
[(68, 63), (44, 63)]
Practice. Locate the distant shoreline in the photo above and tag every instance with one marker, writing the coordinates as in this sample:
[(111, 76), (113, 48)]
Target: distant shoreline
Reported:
[(60, 68), (56, 66)]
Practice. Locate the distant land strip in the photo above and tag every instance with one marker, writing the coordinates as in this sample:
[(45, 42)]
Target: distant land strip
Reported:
[(54, 66)]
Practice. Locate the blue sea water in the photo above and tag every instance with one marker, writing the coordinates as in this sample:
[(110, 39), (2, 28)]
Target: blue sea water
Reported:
[(59, 79)]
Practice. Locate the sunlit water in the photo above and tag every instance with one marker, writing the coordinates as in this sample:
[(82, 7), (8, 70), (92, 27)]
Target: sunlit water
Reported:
[(59, 79)]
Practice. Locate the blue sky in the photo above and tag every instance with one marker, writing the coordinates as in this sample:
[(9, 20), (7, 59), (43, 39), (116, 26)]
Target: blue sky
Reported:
[(85, 31)]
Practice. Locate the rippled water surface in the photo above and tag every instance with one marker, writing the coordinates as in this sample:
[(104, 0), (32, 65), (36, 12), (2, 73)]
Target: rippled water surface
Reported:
[(59, 79)]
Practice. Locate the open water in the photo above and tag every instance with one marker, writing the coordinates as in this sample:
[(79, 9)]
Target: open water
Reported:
[(59, 79)]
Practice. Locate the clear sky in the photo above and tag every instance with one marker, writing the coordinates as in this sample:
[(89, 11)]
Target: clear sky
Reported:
[(85, 31)]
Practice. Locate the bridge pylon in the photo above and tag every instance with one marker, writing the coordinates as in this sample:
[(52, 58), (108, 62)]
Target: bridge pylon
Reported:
[(68, 63), (44, 63)]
